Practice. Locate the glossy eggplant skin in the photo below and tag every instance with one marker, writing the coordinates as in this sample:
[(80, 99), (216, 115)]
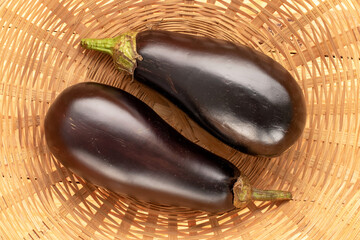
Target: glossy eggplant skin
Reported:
[(115, 141), (239, 95)]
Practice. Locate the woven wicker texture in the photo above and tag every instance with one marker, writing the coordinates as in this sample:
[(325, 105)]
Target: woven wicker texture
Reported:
[(317, 41)]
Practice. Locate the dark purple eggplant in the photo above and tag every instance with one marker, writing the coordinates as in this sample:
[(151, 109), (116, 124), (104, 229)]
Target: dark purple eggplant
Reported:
[(115, 141), (239, 95)]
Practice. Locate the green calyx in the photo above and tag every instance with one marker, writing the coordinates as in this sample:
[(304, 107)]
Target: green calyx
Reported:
[(122, 49), (245, 193)]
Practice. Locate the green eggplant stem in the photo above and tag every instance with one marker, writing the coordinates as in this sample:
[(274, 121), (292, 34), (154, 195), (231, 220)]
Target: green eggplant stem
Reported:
[(270, 195), (122, 49), (245, 193), (104, 45)]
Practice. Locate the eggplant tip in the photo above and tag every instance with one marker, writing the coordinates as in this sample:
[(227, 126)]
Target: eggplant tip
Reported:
[(245, 193)]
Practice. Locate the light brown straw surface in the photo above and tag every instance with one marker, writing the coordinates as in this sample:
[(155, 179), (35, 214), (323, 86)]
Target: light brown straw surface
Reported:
[(40, 55)]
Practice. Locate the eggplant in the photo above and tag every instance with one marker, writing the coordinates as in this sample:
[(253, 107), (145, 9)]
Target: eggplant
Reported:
[(239, 95), (115, 141)]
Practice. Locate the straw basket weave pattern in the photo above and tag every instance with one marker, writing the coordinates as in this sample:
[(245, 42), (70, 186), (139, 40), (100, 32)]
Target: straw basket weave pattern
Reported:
[(316, 40)]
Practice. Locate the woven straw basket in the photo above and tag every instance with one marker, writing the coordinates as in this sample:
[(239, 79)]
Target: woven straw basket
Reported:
[(318, 41)]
